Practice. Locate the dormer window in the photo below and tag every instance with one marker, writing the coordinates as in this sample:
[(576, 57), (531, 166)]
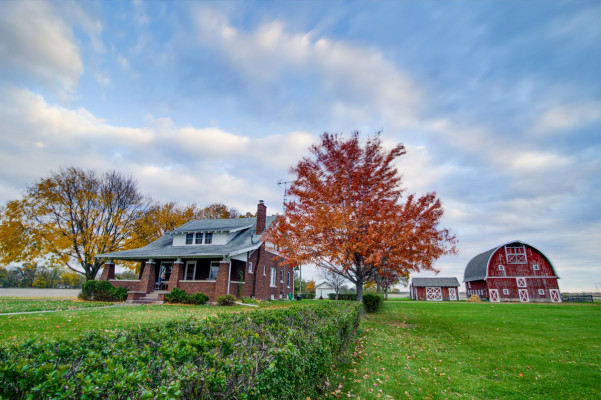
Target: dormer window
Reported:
[(208, 237), (501, 268), (535, 267), (189, 238), (198, 238)]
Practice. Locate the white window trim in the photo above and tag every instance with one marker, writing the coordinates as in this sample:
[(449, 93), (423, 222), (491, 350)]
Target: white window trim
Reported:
[(535, 267), (250, 267), (191, 235), (282, 276), (541, 292), (210, 235), (188, 264), (264, 270), (505, 291), (273, 277), (197, 237), (288, 281), (501, 267)]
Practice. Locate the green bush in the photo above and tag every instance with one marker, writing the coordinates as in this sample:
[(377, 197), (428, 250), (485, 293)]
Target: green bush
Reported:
[(180, 296), (102, 291), (343, 296), (226, 300), (372, 302), (248, 300), (263, 354), (308, 296)]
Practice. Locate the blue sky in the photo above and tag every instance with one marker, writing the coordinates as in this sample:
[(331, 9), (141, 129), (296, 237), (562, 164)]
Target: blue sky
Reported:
[(497, 102)]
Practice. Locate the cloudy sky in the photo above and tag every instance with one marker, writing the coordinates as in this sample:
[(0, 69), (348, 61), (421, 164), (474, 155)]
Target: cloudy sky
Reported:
[(497, 102)]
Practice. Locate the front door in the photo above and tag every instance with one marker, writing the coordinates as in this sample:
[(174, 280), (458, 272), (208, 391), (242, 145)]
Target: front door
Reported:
[(164, 274), (555, 296), (433, 294), (494, 295), (524, 295), (452, 294)]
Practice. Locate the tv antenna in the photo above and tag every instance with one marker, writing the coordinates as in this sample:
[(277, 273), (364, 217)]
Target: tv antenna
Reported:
[(285, 183)]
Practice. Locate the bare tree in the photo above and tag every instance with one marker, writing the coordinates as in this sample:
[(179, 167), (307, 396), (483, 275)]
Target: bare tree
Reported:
[(333, 279)]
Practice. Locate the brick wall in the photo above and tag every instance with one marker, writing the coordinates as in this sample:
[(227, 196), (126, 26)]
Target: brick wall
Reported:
[(128, 284)]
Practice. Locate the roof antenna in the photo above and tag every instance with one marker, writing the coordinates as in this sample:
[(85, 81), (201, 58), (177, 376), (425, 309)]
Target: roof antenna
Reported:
[(285, 183)]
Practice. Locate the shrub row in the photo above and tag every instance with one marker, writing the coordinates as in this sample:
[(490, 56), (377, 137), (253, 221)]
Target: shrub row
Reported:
[(343, 296), (102, 291), (180, 296), (307, 296), (265, 354), (372, 302)]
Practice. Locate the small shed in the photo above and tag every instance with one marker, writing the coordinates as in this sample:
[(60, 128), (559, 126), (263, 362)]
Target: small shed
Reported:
[(434, 289), (323, 289)]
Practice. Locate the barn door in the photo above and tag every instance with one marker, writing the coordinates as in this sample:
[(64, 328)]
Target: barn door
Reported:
[(433, 294), (524, 295), (555, 296), (494, 295), (452, 294)]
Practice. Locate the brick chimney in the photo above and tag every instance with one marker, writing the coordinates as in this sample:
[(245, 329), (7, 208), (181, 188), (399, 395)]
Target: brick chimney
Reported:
[(261, 217)]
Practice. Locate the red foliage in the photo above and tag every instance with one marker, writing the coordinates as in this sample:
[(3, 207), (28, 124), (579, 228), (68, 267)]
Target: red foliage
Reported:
[(349, 215)]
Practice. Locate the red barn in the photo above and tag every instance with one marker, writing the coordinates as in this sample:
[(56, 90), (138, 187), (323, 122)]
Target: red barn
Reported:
[(514, 271), (434, 289)]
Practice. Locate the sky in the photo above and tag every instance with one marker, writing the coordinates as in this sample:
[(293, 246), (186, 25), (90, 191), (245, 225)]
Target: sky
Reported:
[(497, 102)]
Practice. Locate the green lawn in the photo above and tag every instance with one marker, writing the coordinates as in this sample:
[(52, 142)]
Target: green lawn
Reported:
[(474, 351), (29, 304)]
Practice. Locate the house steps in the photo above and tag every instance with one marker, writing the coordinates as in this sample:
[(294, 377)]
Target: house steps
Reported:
[(151, 298)]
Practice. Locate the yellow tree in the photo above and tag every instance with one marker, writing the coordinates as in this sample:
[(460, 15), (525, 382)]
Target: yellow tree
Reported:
[(348, 214), (72, 215)]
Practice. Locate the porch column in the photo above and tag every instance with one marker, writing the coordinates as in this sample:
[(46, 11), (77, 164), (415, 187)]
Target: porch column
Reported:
[(148, 279), (177, 274), (222, 281), (108, 272)]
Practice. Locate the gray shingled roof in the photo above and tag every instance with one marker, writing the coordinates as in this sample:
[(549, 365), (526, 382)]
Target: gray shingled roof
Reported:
[(442, 282), (245, 240), (477, 268)]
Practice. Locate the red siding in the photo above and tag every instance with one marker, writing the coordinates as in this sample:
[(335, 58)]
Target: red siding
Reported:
[(476, 288), (421, 293)]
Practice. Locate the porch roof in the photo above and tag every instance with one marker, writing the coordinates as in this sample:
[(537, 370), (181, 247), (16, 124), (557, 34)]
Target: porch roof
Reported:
[(435, 281)]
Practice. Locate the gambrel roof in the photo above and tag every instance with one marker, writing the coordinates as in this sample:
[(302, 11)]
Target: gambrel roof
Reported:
[(435, 282), (477, 268)]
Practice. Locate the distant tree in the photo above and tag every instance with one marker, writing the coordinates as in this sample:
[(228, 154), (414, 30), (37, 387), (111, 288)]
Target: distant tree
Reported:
[(72, 215), (309, 287), (348, 214), (333, 279)]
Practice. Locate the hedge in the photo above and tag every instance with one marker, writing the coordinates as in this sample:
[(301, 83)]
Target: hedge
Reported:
[(180, 296), (343, 296), (307, 296), (102, 291), (265, 354), (372, 302)]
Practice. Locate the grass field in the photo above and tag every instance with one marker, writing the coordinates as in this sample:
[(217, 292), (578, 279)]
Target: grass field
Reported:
[(29, 304), (474, 351)]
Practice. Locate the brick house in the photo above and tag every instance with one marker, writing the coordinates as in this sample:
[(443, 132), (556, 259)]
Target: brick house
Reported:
[(212, 256)]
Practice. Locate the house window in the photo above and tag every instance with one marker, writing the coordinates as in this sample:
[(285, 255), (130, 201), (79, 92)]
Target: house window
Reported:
[(250, 267), (189, 238), (288, 279), (505, 291), (282, 276), (273, 276), (535, 267), (214, 270), (541, 292), (516, 254), (198, 238), (501, 268), (208, 237), (264, 269), (190, 271)]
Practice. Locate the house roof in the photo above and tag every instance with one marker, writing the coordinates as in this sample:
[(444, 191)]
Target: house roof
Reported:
[(477, 268), (244, 240), (426, 282)]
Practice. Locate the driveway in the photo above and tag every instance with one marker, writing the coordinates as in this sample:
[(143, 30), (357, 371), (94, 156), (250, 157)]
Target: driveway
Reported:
[(34, 292)]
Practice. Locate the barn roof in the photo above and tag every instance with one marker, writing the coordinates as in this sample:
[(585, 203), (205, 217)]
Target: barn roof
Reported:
[(443, 282), (477, 268)]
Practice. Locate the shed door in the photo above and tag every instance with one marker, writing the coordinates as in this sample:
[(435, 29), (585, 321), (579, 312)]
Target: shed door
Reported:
[(524, 295), (494, 295), (433, 294), (555, 297), (452, 294)]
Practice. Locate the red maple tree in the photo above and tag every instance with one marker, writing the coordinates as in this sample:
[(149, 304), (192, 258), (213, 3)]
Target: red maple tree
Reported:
[(350, 217)]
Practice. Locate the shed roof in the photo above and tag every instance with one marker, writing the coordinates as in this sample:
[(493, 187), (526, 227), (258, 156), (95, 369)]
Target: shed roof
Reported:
[(477, 268), (442, 282)]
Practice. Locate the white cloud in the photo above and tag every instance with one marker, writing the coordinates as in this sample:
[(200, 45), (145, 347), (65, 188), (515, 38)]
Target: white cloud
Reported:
[(564, 117), (355, 81), (35, 40)]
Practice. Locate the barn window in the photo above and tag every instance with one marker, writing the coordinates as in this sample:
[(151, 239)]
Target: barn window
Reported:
[(516, 254), (501, 268), (535, 267), (541, 292), (505, 291)]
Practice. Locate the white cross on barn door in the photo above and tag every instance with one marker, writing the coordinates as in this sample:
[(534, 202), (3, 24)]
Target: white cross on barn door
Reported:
[(452, 294), (555, 297), (524, 295), (433, 294), (494, 295), (521, 282)]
